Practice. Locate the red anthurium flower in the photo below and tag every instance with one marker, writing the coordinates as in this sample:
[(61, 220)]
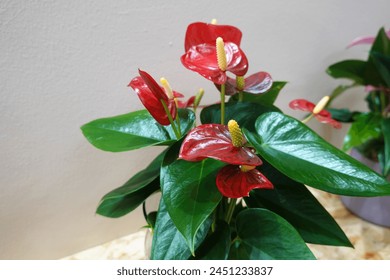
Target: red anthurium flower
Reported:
[(203, 59), (199, 33), (234, 181), (226, 143), (201, 51), (214, 141), (152, 95), (322, 116), (256, 83)]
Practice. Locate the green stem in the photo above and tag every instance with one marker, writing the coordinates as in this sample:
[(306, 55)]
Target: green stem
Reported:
[(177, 133), (230, 211), (223, 103), (240, 96), (177, 117)]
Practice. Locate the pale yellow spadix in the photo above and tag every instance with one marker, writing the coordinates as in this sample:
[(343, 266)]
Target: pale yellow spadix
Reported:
[(221, 54), (167, 88), (321, 105)]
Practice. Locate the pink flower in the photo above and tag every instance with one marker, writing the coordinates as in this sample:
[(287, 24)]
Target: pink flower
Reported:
[(365, 40), (256, 83)]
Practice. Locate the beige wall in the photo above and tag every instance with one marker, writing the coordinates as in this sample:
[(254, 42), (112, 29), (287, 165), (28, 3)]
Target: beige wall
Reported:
[(64, 63)]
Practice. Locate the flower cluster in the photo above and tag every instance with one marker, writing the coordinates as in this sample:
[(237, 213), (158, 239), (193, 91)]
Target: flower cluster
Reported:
[(212, 50), (233, 189)]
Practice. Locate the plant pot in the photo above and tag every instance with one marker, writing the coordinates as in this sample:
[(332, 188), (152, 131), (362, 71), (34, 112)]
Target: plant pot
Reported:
[(372, 209)]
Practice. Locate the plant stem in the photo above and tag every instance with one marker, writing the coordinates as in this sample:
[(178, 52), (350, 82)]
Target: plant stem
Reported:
[(230, 211), (177, 133), (177, 116), (223, 103), (240, 96)]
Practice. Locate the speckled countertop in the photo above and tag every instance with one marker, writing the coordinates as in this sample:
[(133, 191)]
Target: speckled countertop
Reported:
[(371, 242)]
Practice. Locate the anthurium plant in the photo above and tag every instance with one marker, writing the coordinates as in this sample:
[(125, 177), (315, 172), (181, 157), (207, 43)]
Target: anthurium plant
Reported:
[(233, 184), (370, 130)]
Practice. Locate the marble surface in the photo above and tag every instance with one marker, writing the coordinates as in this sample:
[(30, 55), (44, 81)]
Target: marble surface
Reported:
[(371, 242)]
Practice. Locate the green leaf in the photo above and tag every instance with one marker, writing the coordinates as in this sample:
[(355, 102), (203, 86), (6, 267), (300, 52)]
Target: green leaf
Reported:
[(343, 115), (216, 246), (386, 155), (267, 98), (349, 69), (190, 192), (365, 127), (383, 66), (168, 242), (133, 131), (381, 45), (295, 203), (244, 113), (263, 235), (130, 195), (299, 153)]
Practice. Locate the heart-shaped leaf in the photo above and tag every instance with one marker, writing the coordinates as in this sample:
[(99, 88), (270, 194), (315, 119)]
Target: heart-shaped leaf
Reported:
[(295, 203), (364, 128), (349, 69), (298, 152), (189, 192), (168, 242), (126, 198), (244, 113), (267, 98), (133, 131), (216, 246), (263, 235), (382, 63)]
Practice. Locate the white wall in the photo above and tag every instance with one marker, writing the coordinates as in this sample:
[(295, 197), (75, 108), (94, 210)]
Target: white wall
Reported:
[(64, 63)]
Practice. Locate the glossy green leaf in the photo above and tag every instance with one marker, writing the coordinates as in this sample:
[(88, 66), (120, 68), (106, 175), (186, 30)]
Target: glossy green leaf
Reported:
[(264, 235), (133, 131), (349, 69), (267, 98), (190, 192), (386, 155), (382, 64), (364, 128), (216, 246), (244, 113), (295, 203), (381, 45), (299, 153), (343, 115), (168, 242), (130, 195)]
